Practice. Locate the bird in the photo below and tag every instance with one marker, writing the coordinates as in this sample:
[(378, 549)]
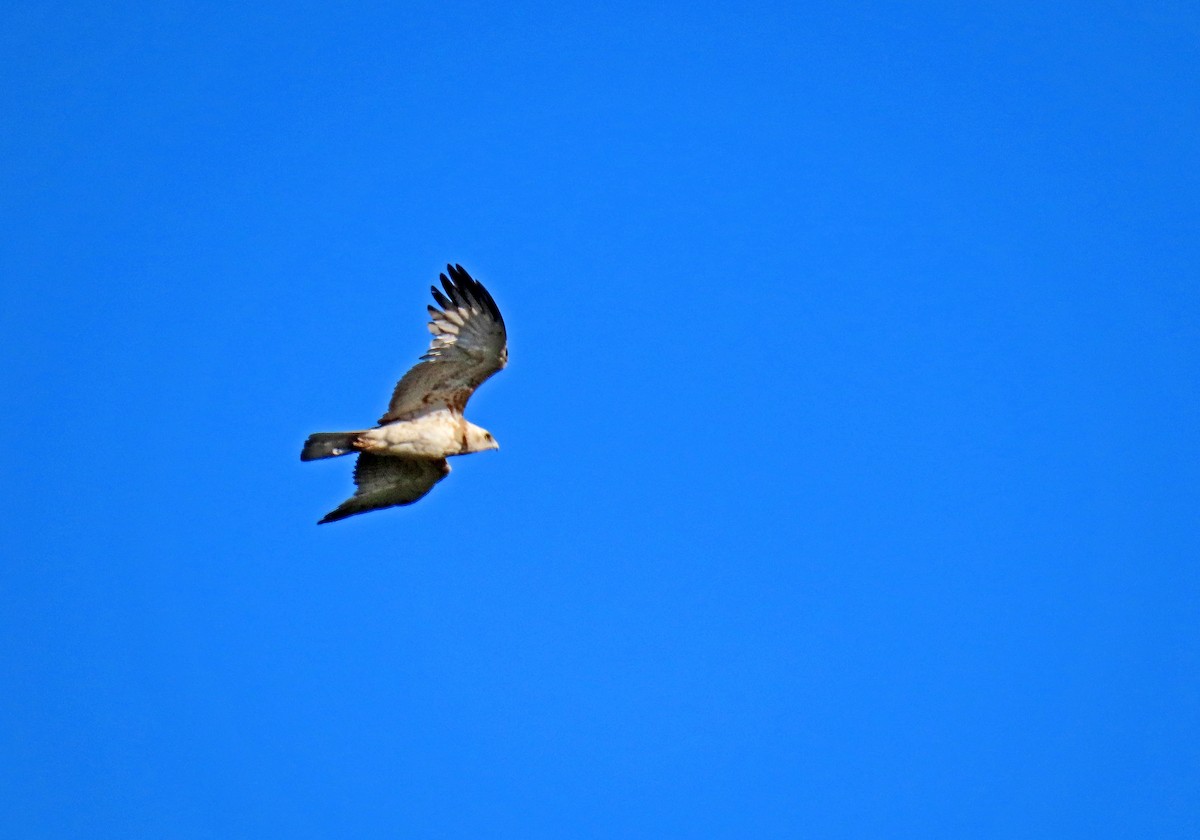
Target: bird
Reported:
[(404, 455)]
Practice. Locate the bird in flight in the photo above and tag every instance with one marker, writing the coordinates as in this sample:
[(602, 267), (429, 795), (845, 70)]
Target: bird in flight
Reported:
[(401, 458)]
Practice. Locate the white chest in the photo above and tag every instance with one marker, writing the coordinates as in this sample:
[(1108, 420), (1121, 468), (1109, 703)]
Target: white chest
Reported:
[(433, 435)]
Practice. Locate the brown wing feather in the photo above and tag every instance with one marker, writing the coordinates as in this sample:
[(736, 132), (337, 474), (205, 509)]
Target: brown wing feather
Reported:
[(469, 345), (385, 481)]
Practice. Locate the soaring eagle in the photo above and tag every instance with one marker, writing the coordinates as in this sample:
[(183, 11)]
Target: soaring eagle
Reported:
[(402, 458)]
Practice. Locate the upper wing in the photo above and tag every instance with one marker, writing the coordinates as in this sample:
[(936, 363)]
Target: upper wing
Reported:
[(384, 481), (469, 345)]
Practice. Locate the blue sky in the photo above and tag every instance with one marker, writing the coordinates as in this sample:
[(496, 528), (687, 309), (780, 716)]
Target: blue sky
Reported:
[(850, 476)]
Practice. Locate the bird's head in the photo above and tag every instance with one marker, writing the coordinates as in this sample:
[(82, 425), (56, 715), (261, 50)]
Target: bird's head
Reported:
[(480, 439)]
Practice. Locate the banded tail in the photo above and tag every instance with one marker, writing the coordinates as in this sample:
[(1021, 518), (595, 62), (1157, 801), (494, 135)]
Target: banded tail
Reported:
[(328, 445)]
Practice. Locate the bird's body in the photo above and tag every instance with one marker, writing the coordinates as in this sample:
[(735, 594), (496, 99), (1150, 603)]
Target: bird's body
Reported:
[(436, 434), (405, 455)]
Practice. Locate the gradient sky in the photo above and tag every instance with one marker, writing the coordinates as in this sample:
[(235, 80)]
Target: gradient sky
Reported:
[(850, 469)]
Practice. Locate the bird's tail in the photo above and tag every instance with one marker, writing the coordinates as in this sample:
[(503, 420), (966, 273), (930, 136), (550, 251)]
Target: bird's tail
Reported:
[(328, 445)]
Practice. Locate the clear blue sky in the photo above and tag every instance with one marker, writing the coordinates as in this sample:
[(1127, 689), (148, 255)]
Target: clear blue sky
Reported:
[(850, 469)]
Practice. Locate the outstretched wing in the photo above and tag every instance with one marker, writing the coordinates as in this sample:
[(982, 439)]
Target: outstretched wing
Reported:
[(469, 345), (384, 481)]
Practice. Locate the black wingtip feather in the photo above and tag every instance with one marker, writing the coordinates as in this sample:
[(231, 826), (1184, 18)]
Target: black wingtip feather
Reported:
[(463, 290), (451, 289), (343, 511)]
